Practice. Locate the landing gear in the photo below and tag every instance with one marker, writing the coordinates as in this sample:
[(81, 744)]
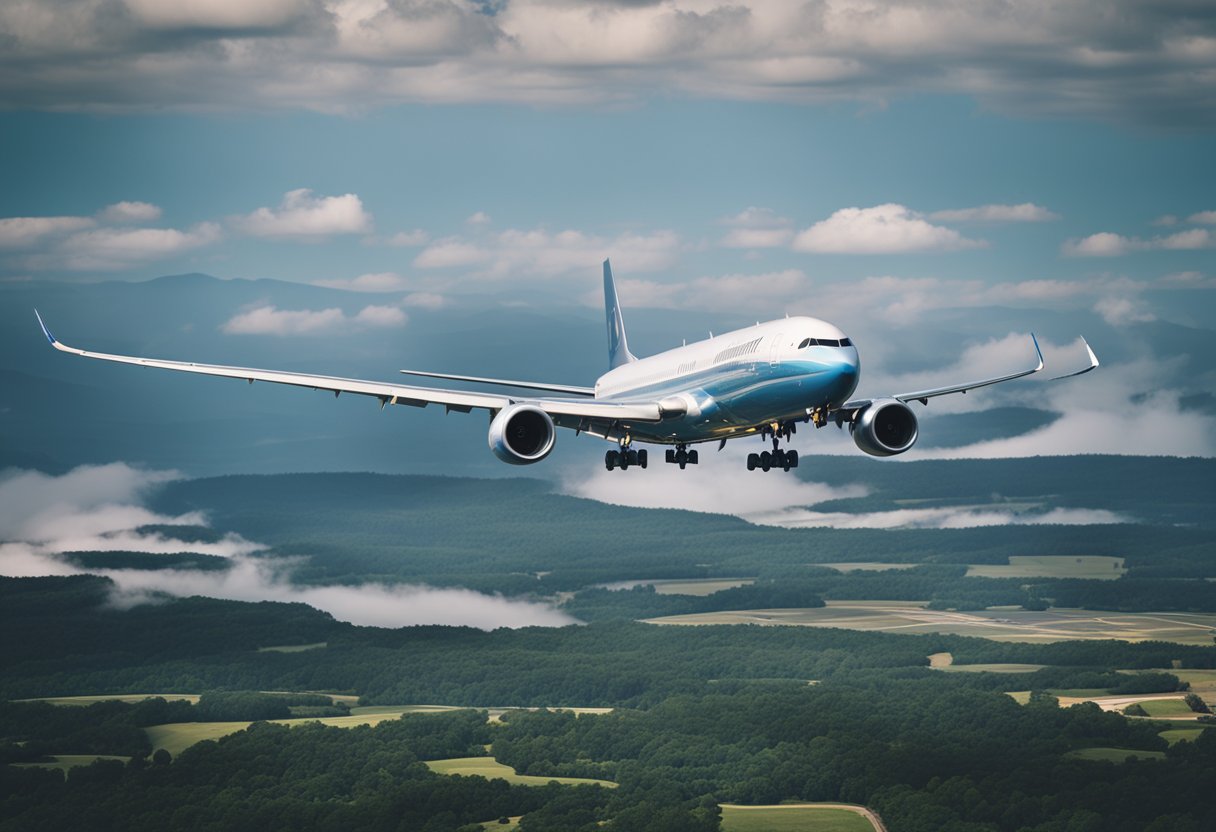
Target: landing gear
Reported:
[(681, 456), (626, 458), (776, 458)]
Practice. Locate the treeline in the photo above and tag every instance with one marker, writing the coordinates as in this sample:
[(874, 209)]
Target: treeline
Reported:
[(600, 604), (926, 753), (605, 663), (943, 586), (274, 778), (31, 730), (353, 527)]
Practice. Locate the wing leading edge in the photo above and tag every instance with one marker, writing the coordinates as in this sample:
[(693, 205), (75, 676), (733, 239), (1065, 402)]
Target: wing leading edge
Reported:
[(923, 396), (458, 400)]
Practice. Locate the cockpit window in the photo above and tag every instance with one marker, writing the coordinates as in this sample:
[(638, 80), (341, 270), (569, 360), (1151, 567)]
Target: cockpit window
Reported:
[(806, 342), (845, 342), (828, 342)]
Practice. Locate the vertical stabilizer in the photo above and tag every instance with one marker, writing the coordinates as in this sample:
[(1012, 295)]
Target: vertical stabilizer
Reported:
[(618, 345)]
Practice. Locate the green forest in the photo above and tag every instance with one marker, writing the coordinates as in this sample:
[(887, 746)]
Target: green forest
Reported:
[(692, 717)]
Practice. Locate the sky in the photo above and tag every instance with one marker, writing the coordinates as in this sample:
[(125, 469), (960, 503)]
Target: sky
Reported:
[(938, 177), (875, 164)]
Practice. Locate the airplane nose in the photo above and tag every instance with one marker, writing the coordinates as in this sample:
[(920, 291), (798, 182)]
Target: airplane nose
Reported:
[(848, 371)]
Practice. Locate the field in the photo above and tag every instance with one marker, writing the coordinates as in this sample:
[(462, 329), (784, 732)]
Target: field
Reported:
[(998, 625), (795, 817), (867, 566), (685, 586), (111, 697), (490, 769), (1114, 755), (1176, 735), (63, 762), (177, 737), (1168, 708), (1090, 567)]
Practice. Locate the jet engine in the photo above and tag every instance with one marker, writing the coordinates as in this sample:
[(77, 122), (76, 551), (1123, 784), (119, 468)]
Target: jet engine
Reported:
[(522, 434), (885, 428)]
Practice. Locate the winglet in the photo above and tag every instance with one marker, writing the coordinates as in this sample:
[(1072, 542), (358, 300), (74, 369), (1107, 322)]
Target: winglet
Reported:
[(1093, 362), (45, 331), (1038, 351)]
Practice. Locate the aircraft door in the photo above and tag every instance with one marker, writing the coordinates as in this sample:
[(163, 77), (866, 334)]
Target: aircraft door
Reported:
[(774, 351)]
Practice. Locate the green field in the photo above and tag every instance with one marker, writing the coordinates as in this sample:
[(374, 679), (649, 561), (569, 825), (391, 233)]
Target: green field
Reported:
[(1176, 735), (63, 762), (177, 737), (1057, 624), (867, 566), (1114, 755), (491, 769), (1091, 566), (1167, 707), (793, 817), (685, 586), (112, 697)]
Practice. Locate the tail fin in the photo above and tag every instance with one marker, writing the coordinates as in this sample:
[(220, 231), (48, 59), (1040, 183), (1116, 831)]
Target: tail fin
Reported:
[(618, 345)]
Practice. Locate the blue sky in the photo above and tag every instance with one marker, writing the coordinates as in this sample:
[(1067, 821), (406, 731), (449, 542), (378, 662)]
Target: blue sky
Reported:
[(879, 165)]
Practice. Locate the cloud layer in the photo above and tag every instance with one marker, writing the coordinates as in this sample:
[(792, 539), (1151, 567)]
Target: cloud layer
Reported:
[(1134, 62), (270, 320), (99, 508)]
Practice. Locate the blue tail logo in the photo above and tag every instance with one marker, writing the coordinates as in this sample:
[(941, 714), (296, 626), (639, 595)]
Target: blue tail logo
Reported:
[(618, 344)]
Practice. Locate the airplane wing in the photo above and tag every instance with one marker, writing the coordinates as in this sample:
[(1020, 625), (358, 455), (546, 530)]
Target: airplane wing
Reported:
[(923, 396), (568, 412)]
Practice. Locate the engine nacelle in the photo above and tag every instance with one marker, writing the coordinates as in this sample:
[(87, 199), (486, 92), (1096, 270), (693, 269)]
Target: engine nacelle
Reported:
[(885, 428), (522, 434)]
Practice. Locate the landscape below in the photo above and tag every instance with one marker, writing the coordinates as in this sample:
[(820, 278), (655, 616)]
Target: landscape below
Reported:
[(1029, 678)]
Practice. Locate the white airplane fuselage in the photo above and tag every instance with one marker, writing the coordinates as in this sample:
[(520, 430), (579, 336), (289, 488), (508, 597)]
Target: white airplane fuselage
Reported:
[(740, 381)]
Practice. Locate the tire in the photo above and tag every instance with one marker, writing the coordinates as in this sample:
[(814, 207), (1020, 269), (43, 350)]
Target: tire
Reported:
[(793, 459), (643, 457), (610, 460), (681, 459), (633, 457), (766, 461), (753, 462), (670, 455), (692, 458)]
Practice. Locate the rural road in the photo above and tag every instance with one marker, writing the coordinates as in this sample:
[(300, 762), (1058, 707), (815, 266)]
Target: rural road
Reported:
[(868, 814)]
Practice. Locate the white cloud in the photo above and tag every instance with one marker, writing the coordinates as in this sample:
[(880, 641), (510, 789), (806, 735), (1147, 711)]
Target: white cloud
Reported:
[(216, 15), (479, 218), (117, 248), (374, 282), (270, 320), (1203, 218), (757, 228), (731, 291), (1122, 311), (98, 508), (21, 232), (708, 488), (883, 229), (1023, 212), (302, 215), (1109, 244), (543, 253), (424, 300), (409, 239), (1150, 64), (934, 518), (121, 212), (1165, 220)]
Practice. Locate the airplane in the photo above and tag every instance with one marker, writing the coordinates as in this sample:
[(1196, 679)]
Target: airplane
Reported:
[(761, 380)]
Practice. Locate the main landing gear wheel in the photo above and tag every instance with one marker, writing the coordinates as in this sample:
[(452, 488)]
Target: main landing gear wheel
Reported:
[(625, 459), (776, 458), (681, 456)]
